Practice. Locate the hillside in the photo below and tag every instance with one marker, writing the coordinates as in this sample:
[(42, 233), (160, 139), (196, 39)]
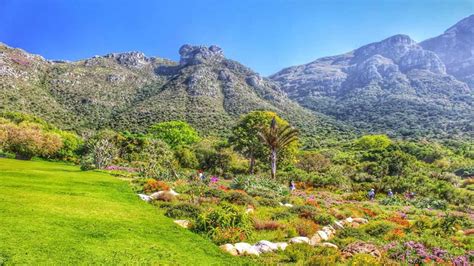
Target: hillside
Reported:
[(394, 86), (52, 213), (130, 91)]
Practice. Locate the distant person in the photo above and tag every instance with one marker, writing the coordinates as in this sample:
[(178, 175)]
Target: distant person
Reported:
[(390, 193), (292, 186), (371, 194)]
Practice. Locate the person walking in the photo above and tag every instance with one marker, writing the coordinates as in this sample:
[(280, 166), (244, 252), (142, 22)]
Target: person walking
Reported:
[(371, 194), (390, 193), (292, 186)]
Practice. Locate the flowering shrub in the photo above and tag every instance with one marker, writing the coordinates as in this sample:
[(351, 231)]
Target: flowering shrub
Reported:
[(239, 198), (412, 252), (121, 168), (153, 185)]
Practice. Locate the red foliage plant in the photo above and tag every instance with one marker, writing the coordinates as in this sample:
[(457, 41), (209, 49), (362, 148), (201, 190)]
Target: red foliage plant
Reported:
[(306, 227), (266, 225), (153, 185)]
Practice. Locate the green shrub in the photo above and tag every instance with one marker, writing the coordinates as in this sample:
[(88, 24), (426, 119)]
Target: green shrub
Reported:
[(304, 253), (350, 232), (214, 193), (239, 198), (363, 260), (183, 210), (429, 203), (378, 228), (268, 202), (214, 222), (324, 219), (304, 211), (259, 186), (281, 215)]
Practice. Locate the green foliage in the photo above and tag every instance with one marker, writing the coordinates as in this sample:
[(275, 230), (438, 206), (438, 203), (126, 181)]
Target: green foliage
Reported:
[(183, 210), (373, 142), (157, 160), (239, 198), (259, 186), (324, 219), (186, 157), (378, 228), (304, 253), (100, 150), (175, 133), (225, 216)]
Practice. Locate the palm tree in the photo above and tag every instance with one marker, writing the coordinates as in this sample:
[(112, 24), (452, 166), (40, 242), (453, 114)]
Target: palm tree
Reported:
[(277, 138)]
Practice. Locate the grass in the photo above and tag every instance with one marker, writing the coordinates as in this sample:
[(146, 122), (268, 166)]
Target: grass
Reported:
[(53, 213)]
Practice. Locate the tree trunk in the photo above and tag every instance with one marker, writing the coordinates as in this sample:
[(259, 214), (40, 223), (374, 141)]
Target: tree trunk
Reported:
[(252, 164), (273, 159)]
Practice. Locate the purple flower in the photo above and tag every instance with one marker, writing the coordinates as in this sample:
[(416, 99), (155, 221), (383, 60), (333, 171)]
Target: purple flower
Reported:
[(214, 179)]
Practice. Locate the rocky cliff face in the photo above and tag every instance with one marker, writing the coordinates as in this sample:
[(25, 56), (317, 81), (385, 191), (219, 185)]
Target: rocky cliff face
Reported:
[(455, 47), (393, 86), (130, 91)]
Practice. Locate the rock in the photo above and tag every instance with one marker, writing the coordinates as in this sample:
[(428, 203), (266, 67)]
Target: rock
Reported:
[(329, 230), (249, 210), (281, 245), (182, 223), (323, 235), (315, 239), (229, 248), (299, 239), (361, 247), (265, 246), (327, 244), (349, 220), (155, 195), (145, 197), (281, 204), (338, 225), (288, 205), (194, 55), (246, 249), (360, 220)]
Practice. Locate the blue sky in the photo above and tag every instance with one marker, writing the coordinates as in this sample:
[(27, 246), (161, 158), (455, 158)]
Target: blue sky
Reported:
[(266, 35)]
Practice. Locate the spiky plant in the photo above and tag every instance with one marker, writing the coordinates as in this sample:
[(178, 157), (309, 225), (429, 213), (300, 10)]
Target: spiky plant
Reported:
[(277, 138)]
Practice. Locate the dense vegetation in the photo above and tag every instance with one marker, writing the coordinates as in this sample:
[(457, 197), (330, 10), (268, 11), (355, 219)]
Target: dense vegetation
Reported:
[(239, 198)]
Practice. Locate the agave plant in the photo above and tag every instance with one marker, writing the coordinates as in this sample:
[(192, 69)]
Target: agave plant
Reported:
[(277, 138)]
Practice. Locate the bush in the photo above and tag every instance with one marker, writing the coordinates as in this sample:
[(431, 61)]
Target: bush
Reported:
[(266, 225), (363, 259), (153, 185), (214, 193), (306, 227), (229, 235), (304, 253), (304, 211), (268, 202), (239, 198), (281, 215), (259, 186), (429, 203), (350, 232), (214, 222), (378, 228), (183, 210), (324, 219)]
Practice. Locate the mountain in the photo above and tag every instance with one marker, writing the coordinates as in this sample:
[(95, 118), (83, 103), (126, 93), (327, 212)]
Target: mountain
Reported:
[(455, 47), (394, 86), (129, 91)]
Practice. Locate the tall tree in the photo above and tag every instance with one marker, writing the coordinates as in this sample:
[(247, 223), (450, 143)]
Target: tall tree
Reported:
[(245, 138), (277, 138), (175, 133)]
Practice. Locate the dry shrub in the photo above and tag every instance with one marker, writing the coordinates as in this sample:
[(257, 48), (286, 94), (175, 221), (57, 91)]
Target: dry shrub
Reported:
[(306, 227), (400, 221), (266, 225)]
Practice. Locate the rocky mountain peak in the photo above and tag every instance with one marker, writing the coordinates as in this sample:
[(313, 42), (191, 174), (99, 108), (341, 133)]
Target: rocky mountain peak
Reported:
[(130, 59), (465, 26), (393, 48), (193, 55)]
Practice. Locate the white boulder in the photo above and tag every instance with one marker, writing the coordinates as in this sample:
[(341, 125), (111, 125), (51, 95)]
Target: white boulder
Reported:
[(145, 197), (264, 246), (349, 219), (338, 225), (246, 249), (327, 244), (299, 239), (281, 245), (323, 235), (182, 223), (229, 248)]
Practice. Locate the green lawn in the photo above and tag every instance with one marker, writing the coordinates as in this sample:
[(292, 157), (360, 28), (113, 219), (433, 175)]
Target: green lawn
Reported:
[(53, 213)]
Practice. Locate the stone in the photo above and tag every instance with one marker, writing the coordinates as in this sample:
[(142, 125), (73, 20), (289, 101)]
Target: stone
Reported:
[(194, 55), (299, 239), (264, 246), (349, 219), (242, 247), (249, 210), (229, 248), (288, 205), (174, 193), (327, 244), (155, 195), (360, 220), (323, 235), (361, 247), (182, 223), (281, 245), (338, 225), (145, 197), (315, 239)]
